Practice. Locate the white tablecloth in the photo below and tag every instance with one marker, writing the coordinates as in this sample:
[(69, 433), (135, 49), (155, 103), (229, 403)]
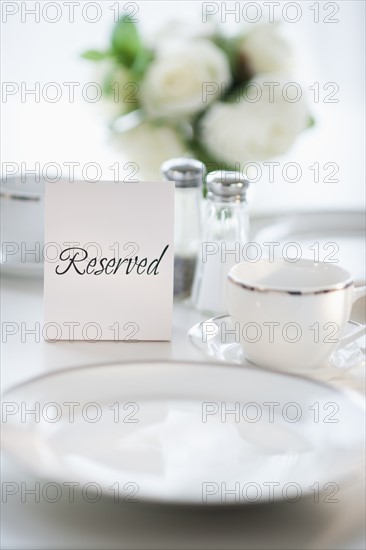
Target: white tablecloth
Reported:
[(139, 526)]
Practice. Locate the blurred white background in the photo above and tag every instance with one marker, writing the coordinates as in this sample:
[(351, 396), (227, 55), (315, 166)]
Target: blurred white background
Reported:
[(76, 132)]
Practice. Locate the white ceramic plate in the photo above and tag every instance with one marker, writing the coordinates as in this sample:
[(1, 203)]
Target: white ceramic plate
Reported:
[(166, 432), (340, 237)]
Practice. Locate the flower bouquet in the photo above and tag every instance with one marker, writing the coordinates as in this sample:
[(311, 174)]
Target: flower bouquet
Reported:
[(227, 101)]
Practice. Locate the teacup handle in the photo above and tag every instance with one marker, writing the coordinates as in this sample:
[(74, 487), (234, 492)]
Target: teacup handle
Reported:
[(358, 293)]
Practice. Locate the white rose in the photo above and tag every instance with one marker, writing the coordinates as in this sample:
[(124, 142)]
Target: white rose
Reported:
[(244, 131), (173, 84), (266, 50), (148, 146)]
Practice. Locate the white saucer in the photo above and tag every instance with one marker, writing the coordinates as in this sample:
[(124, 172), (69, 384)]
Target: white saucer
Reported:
[(162, 444), (214, 339)]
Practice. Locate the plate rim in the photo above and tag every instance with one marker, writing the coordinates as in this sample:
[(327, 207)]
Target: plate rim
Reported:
[(350, 393)]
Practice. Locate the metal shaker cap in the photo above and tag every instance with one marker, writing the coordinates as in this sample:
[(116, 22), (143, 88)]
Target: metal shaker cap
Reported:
[(227, 186), (185, 172)]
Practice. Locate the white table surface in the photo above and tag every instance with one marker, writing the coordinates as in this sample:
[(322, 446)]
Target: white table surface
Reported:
[(65, 525)]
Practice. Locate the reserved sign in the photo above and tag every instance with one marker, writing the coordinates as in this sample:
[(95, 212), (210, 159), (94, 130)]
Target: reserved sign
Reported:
[(109, 264)]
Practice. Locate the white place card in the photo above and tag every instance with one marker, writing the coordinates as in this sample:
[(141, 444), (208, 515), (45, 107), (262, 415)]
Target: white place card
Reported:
[(108, 261)]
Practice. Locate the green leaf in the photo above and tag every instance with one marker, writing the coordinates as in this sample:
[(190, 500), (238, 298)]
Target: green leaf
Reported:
[(95, 55), (240, 68), (141, 62), (204, 156), (311, 122), (229, 47), (126, 42)]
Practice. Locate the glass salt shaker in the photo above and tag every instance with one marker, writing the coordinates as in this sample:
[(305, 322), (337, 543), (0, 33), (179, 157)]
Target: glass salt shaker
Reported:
[(225, 232), (188, 176)]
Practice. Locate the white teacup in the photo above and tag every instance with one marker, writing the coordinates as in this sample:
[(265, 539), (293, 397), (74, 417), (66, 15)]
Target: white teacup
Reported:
[(291, 315)]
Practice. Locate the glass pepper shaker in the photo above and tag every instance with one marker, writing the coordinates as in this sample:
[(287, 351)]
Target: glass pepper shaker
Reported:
[(225, 232), (188, 176)]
